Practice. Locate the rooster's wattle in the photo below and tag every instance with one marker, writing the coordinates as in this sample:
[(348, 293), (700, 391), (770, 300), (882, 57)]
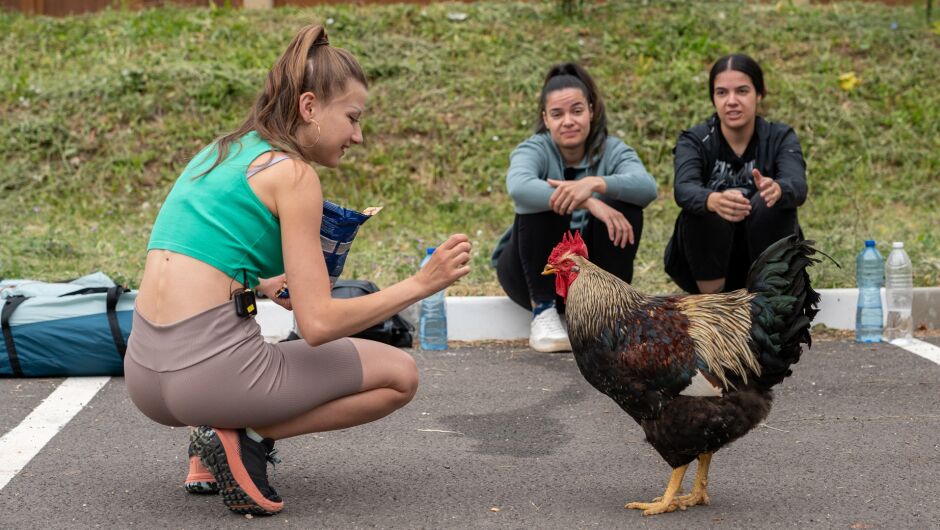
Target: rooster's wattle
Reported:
[(694, 371)]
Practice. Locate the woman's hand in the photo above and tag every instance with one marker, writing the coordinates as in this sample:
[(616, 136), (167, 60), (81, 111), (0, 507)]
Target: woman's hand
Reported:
[(269, 287), (619, 229), (731, 205), (767, 187), (449, 263), (570, 195)]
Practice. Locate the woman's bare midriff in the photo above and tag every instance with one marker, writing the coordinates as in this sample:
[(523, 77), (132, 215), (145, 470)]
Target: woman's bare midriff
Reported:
[(176, 286)]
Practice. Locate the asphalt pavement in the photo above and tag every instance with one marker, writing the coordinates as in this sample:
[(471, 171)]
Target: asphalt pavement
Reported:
[(502, 437)]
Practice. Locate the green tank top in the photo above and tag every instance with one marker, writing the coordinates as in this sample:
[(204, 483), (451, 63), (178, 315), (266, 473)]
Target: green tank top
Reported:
[(218, 219)]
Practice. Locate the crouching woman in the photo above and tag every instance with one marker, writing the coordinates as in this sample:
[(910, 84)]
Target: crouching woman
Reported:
[(246, 213)]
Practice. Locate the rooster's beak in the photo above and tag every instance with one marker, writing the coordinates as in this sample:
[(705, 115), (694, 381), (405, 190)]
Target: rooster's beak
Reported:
[(548, 270)]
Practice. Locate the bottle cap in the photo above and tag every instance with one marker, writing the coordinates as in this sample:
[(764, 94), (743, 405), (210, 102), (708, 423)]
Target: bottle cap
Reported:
[(897, 244), (431, 250), (869, 242)]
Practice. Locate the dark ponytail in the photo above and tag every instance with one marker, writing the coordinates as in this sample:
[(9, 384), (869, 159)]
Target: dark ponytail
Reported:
[(573, 75)]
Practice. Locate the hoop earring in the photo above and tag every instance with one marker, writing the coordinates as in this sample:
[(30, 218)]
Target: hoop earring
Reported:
[(315, 142)]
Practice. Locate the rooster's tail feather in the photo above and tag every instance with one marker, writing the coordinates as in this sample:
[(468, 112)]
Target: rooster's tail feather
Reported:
[(784, 308)]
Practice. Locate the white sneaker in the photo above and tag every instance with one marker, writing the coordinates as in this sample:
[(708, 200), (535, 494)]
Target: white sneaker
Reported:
[(547, 333)]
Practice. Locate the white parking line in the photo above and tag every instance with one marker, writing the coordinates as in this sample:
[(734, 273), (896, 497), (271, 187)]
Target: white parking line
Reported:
[(924, 349), (21, 444)]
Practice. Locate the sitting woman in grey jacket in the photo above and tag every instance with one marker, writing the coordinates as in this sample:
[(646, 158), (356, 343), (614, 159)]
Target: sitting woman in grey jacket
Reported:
[(569, 175), (739, 180)]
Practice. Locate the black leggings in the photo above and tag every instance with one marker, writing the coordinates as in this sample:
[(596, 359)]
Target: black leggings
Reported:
[(715, 248), (520, 265)]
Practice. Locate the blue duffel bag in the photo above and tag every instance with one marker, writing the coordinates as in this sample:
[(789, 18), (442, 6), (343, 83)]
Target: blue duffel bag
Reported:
[(64, 329)]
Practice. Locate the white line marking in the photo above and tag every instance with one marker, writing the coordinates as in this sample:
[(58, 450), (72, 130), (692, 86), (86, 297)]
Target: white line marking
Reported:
[(924, 349), (21, 444)]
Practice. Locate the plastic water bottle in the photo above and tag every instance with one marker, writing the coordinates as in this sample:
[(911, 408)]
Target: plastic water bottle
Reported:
[(432, 323), (869, 268), (899, 296)]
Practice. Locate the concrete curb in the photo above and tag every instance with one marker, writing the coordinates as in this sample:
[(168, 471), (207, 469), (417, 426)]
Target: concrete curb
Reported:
[(497, 318)]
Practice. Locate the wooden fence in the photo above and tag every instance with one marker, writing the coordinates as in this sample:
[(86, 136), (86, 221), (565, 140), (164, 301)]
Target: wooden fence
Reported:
[(73, 7)]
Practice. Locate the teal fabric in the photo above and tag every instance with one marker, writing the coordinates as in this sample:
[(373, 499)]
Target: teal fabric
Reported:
[(56, 333), (537, 159), (65, 347), (217, 218)]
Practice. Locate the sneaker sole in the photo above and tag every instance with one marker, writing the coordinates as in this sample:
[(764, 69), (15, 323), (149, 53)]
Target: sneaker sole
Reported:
[(554, 347), (204, 487), (239, 492), (200, 481)]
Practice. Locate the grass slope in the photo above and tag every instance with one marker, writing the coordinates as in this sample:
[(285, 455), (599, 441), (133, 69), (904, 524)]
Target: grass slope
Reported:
[(99, 113)]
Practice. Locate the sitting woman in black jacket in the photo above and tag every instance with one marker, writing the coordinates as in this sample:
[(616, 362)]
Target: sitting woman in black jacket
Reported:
[(739, 180)]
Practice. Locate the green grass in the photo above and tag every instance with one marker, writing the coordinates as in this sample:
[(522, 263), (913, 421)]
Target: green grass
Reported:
[(99, 114)]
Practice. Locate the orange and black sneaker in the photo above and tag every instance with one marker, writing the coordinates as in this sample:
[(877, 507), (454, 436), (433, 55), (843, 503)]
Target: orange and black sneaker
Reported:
[(240, 467), (198, 480)]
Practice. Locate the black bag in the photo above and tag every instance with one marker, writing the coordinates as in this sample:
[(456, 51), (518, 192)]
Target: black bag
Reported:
[(395, 330)]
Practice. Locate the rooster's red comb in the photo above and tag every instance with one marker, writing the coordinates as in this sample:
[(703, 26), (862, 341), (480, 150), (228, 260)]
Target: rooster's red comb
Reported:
[(570, 243)]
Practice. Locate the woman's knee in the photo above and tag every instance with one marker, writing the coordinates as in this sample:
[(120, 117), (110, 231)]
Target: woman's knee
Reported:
[(403, 379), (703, 232), (407, 379), (385, 366), (766, 215), (706, 222)]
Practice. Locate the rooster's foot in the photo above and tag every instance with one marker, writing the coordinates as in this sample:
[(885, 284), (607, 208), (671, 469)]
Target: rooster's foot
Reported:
[(678, 503), (654, 508), (699, 493), (693, 499), (668, 502)]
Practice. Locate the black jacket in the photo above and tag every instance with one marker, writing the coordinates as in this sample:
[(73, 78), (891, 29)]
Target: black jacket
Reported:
[(779, 157)]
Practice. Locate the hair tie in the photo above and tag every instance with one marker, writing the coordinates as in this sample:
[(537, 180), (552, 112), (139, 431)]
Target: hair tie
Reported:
[(321, 40)]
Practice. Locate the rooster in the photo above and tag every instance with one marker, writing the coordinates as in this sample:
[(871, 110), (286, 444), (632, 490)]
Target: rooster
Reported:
[(694, 371)]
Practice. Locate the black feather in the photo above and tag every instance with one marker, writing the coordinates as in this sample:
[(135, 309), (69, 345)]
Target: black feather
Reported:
[(784, 307)]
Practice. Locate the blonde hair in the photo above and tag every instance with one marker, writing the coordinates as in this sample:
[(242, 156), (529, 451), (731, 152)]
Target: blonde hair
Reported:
[(309, 64)]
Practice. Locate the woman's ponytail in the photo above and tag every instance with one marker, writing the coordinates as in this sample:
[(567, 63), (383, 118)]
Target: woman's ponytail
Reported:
[(308, 64)]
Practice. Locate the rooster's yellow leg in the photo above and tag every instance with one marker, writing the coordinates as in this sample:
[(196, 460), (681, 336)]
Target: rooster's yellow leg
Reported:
[(666, 503), (699, 493)]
